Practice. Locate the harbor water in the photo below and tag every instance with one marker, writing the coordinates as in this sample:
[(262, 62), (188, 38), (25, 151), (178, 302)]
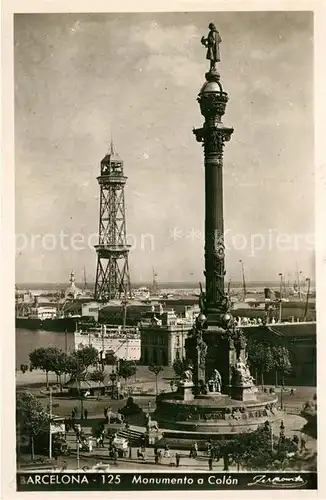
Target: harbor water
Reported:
[(28, 340)]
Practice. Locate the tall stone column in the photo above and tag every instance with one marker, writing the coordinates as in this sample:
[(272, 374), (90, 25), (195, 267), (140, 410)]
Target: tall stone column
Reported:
[(213, 135), (212, 100)]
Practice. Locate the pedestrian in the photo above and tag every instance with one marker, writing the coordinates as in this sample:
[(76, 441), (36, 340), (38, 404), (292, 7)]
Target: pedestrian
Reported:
[(210, 463), (295, 440), (90, 444), (101, 441), (303, 444), (86, 413), (106, 409), (64, 466), (73, 413), (177, 459), (167, 451)]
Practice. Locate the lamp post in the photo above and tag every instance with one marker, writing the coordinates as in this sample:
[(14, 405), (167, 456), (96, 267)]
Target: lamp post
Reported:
[(50, 430), (281, 289), (308, 280), (282, 430), (243, 280), (77, 451)]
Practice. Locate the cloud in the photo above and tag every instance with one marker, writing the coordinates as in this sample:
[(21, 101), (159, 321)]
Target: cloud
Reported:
[(138, 76)]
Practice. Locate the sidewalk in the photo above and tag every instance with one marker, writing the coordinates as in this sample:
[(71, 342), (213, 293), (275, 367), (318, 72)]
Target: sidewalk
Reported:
[(199, 463)]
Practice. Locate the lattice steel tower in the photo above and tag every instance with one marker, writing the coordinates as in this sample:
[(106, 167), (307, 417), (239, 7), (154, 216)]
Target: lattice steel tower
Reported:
[(112, 274)]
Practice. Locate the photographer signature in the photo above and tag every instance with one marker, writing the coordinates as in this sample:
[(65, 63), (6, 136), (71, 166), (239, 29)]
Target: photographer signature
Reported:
[(278, 481)]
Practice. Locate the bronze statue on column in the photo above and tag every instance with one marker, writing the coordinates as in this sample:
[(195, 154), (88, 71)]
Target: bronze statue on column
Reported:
[(212, 42)]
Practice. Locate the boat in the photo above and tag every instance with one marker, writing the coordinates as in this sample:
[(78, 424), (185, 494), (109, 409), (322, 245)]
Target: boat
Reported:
[(123, 342)]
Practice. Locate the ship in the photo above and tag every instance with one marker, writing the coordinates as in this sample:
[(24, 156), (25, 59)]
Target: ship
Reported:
[(110, 341)]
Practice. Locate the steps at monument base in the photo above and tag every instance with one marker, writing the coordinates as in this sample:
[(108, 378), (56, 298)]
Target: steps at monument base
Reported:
[(134, 437)]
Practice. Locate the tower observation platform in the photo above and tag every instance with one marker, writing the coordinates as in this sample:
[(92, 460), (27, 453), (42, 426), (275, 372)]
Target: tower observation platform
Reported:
[(112, 273)]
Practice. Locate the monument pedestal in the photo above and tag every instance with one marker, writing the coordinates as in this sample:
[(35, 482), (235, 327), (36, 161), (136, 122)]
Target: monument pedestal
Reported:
[(185, 390), (243, 393)]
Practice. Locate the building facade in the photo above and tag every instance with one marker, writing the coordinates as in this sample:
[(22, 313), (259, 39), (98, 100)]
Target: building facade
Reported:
[(163, 336)]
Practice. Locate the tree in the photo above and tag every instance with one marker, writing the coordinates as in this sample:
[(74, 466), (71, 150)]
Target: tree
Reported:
[(31, 417), (97, 376), (260, 357), (86, 357), (282, 363), (156, 369), (179, 366), (45, 358), (127, 369), (60, 364), (80, 360), (259, 450)]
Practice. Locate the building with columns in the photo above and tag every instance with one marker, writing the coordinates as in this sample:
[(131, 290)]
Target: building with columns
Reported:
[(163, 334)]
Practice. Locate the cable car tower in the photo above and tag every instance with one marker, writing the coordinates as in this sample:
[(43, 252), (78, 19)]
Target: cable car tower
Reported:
[(112, 274)]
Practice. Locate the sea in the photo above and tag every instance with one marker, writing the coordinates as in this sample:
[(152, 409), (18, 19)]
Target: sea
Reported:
[(28, 340), (169, 285)]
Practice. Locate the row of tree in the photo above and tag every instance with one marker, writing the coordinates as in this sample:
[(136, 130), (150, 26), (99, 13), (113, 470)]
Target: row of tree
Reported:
[(53, 359), (77, 364), (263, 357)]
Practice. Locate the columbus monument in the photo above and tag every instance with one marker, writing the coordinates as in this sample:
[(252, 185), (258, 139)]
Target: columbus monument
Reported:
[(217, 396)]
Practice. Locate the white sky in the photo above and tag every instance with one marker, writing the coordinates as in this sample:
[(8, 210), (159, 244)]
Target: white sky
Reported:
[(79, 78)]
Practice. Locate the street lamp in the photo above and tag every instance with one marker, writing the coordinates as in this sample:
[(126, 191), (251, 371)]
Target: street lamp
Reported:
[(281, 289), (308, 280), (77, 451), (282, 396), (282, 430)]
